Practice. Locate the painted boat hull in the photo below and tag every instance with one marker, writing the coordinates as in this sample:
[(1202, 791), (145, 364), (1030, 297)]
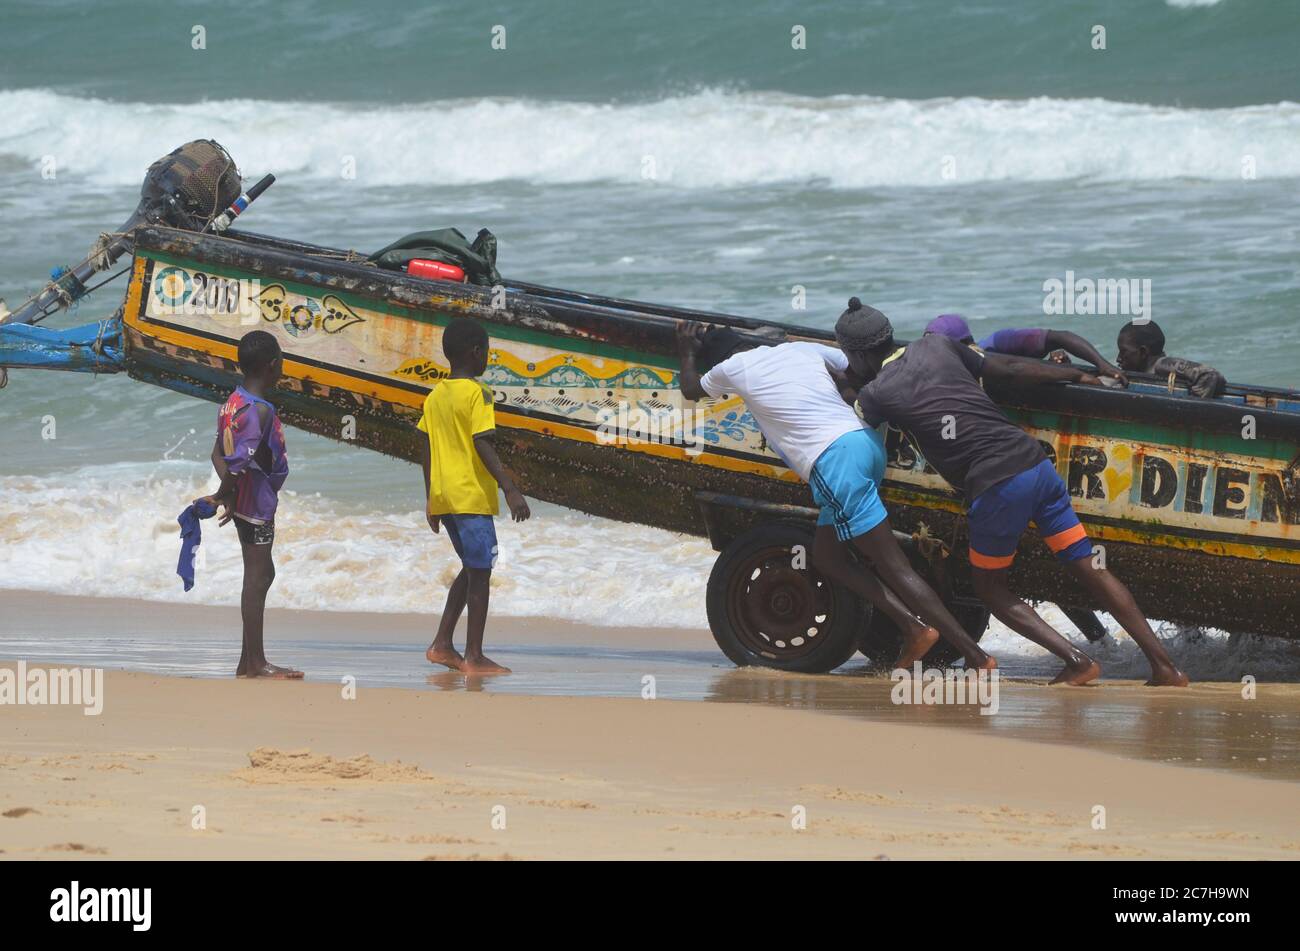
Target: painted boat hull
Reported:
[(1199, 521)]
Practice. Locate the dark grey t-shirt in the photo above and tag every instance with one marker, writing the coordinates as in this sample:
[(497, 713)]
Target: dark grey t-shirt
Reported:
[(932, 391)]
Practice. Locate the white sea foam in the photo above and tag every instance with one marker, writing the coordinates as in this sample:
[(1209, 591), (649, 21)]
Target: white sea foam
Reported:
[(708, 139), (111, 531), (1203, 654)]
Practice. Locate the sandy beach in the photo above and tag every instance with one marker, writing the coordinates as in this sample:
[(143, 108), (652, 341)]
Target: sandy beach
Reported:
[(565, 759), (278, 770)]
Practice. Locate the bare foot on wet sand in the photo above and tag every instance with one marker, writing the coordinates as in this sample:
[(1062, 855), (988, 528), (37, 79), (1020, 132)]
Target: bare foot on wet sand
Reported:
[(1167, 677), (1076, 675), (267, 671), (916, 645), (447, 656), (482, 665)]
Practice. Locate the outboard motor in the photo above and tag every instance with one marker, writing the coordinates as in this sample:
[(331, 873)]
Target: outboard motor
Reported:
[(189, 188)]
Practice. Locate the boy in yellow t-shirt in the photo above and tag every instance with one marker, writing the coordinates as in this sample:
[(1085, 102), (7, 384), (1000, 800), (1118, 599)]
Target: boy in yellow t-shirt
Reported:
[(461, 475)]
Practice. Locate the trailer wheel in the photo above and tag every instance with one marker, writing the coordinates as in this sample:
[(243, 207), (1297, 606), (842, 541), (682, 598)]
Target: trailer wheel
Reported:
[(881, 639), (769, 607)]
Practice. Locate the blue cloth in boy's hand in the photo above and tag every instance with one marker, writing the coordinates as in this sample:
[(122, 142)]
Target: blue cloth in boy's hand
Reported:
[(192, 537)]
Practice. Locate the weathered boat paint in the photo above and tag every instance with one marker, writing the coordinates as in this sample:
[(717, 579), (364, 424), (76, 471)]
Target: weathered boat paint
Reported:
[(1198, 518)]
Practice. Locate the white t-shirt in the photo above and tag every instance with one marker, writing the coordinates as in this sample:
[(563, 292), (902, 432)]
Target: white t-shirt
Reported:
[(789, 390)]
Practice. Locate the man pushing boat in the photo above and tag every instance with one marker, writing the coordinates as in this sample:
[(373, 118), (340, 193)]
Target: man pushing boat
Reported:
[(931, 389), (791, 392)]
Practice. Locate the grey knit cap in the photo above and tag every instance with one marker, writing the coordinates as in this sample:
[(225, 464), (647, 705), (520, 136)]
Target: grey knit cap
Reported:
[(861, 327)]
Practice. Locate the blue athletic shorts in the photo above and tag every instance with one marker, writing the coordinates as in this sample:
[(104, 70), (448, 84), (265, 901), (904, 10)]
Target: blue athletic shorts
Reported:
[(1000, 515), (474, 537), (845, 482)]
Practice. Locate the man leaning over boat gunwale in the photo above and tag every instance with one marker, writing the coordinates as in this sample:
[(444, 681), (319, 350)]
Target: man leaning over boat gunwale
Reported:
[(791, 391), (932, 389), (948, 385), (1140, 349)]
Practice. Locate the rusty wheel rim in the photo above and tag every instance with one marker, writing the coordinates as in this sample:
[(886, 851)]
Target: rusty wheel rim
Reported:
[(776, 610)]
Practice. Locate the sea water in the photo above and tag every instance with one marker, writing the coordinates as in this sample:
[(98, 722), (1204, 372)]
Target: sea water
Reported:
[(675, 153)]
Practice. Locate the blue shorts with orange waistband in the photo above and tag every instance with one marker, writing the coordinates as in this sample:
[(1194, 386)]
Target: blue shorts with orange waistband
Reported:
[(999, 516)]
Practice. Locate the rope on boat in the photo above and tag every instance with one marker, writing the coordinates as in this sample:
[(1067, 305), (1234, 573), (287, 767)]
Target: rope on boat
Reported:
[(929, 545), (115, 321), (98, 256), (97, 259), (98, 346)]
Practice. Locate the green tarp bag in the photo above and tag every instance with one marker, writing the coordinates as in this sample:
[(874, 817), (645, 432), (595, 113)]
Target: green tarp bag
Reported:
[(478, 259)]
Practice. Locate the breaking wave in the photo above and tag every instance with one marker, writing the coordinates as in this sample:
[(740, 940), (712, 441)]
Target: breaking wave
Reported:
[(709, 139), (111, 531)]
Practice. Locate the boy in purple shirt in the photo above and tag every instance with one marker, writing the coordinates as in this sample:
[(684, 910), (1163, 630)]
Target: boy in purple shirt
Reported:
[(250, 459)]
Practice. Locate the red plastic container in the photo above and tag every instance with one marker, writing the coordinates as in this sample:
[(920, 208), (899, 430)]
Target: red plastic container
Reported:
[(434, 270)]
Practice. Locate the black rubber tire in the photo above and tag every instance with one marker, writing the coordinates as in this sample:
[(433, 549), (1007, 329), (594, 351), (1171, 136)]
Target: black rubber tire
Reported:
[(765, 612)]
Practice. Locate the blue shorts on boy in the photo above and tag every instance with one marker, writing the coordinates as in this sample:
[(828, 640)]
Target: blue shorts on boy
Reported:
[(462, 493), (474, 537), (1000, 514), (845, 482)]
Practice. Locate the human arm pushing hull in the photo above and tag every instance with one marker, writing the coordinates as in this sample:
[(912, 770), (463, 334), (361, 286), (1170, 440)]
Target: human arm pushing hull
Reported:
[(1065, 342), (999, 366), (689, 334), (1030, 344)]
